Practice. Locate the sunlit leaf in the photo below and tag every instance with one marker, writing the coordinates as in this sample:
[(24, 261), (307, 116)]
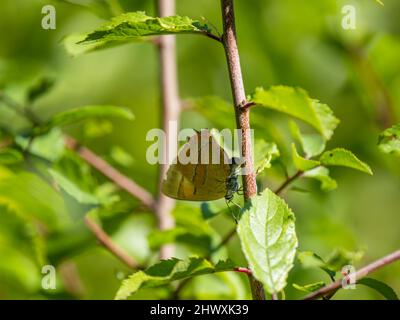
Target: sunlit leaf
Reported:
[(296, 102), (322, 175), (136, 25), (301, 163), (49, 146), (73, 189), (121, 157), (309, 287), (264, 153), (389, 140), (268, 238), (344, 158), (312, 144), (167, 271)]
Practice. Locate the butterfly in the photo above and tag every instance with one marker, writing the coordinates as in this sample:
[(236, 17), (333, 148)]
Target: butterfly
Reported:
[(213, 176)]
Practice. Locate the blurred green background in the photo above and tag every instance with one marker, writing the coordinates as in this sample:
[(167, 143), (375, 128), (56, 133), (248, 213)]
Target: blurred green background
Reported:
[(289, 42)]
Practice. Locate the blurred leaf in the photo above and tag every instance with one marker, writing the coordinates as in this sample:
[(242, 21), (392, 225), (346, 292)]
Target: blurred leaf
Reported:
[(10, 156), (167, 271), (75, 115), (212, 209), (225, 285), (321, 174), (267, 234), (340, 257), (310, 259), (72, 44), (309, 287), (344, 158), (97, 128), (296, 102), (379, 286), (312, 144), (264, 153), (73, 189), (389, 140), (121, 157), (29, 196), (216, 110), (180, 235), (301, 163), (103, 8), (19, 269), (135, 25), (49, 146), (40, 89)]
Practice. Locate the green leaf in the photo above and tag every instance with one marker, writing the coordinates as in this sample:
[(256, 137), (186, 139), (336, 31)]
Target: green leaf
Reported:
[(49, 146), (73, 189), (167, 271), (301, 163), (309, 287), (200, 240), (340, 257), (312, 144), (121, 157), (310, 259), (10, 156), (39, 89), (344, 158), (97, 128), (264, 153), (296, 102), (75, 115), (135, 25), (72, 43), (216, 110), (389, 140), (31, 198), (322, 175), (379, 286), (268, 238)]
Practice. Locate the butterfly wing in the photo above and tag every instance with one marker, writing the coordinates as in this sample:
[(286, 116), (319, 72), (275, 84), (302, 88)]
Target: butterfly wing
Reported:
[(200, 181)]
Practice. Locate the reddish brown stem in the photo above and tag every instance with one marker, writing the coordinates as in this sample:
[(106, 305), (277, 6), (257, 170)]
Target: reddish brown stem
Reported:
[(110, 172), (106, 241), (242, 114), (359, 274)]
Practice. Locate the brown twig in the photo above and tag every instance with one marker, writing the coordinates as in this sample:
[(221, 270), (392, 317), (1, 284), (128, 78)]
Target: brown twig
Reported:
[(170, 115), (358, 275), (107, 242), (110, 172), (287, 182), (242, 114)]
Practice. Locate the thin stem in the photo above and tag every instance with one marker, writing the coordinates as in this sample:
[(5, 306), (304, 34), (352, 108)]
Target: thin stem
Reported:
[(242, 114), (288, 181), (107, 242), (170, 116), (110, 172), (358, 275), (212, 36)]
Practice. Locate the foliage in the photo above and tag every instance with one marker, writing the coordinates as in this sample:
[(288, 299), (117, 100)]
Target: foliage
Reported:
[(48, 189)]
